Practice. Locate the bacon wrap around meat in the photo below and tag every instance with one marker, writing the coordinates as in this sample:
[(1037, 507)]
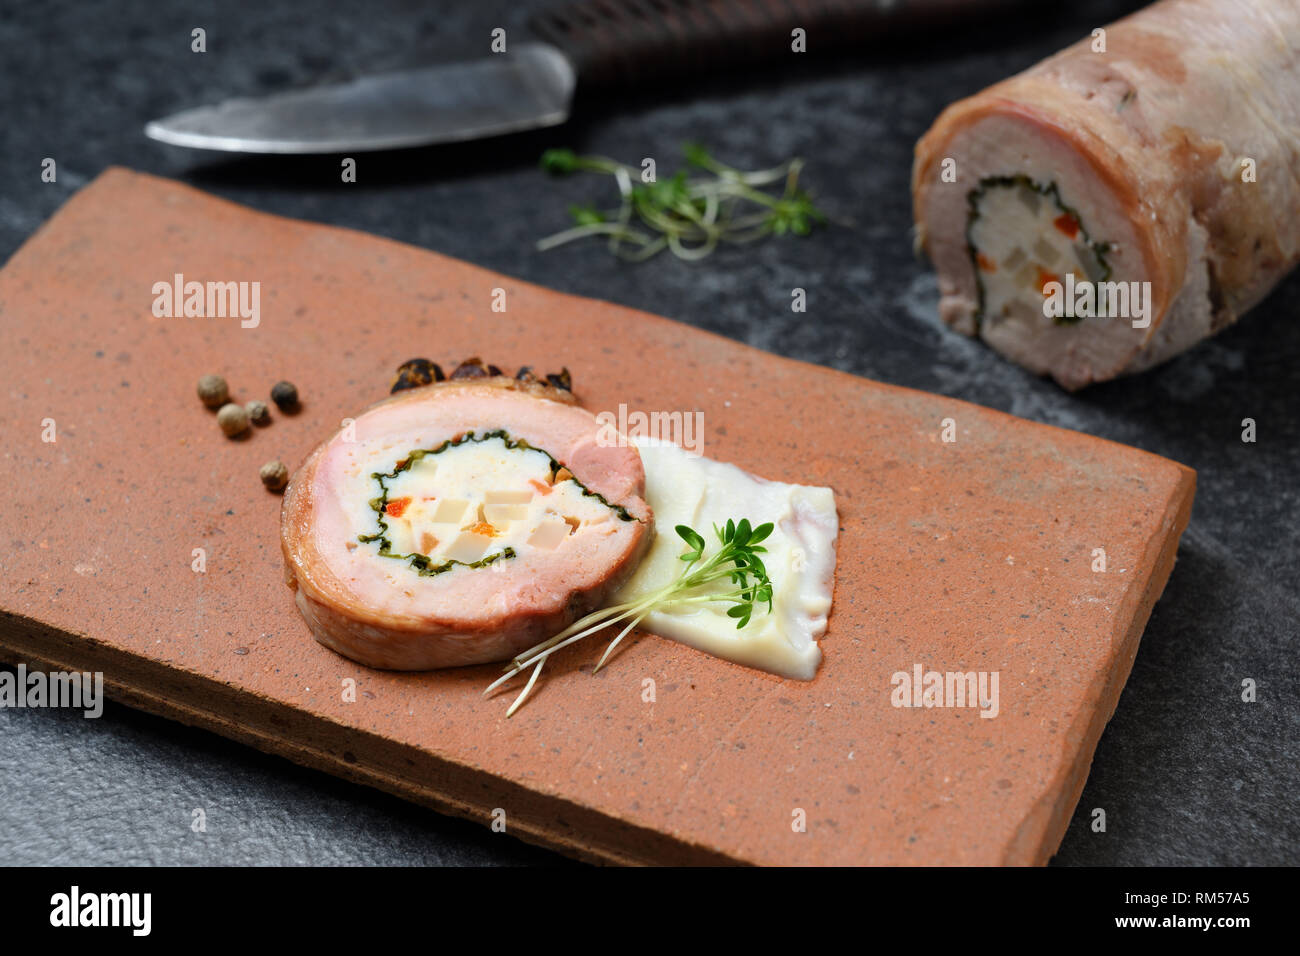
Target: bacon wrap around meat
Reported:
[(1151, 144)]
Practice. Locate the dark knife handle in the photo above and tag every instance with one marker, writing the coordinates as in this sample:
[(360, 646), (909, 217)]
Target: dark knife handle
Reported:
[(632, 41)]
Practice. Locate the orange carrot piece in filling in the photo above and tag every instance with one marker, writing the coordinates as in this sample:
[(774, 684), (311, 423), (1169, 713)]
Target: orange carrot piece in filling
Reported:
[(1067, 225)]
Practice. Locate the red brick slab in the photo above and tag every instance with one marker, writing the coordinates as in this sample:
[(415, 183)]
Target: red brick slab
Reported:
[(971, 555)]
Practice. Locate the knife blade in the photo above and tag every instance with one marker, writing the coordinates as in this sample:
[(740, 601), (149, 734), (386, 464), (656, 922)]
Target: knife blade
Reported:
[(527, 88), (600, 42)]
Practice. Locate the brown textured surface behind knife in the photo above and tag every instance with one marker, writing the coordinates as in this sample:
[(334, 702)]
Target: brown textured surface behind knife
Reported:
[(632, 41)]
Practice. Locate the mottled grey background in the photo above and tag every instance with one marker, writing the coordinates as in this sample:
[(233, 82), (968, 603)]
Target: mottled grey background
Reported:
[(1187, 773)]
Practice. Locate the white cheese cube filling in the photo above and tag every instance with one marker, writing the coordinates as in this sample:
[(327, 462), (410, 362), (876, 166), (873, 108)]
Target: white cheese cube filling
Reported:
[(800, 560)]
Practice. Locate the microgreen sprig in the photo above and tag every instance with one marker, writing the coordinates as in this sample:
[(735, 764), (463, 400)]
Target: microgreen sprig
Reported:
[(736, 560), (689, 216)]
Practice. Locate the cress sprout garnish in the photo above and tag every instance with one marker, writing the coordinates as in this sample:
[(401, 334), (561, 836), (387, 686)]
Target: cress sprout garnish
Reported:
[(736, 560), (687, 216)]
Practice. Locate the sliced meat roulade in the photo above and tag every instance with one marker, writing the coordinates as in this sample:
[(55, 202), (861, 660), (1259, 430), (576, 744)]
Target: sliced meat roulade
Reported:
[(460, 523), (1147, 179)]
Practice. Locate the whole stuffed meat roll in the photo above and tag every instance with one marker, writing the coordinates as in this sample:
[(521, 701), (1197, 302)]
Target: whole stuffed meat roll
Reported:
[(1124, 199)]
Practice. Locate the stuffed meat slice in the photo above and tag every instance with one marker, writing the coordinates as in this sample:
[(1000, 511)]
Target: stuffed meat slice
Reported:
[(460, 523)]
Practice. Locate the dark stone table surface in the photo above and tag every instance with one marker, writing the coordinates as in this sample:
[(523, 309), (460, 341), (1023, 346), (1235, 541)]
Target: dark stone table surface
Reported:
[(1187, 772)]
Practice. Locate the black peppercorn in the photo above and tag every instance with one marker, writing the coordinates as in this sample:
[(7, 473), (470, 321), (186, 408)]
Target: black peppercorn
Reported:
[(285, 396)]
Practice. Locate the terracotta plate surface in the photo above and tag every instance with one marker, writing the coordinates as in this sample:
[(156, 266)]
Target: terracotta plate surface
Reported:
[(970, 555)]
